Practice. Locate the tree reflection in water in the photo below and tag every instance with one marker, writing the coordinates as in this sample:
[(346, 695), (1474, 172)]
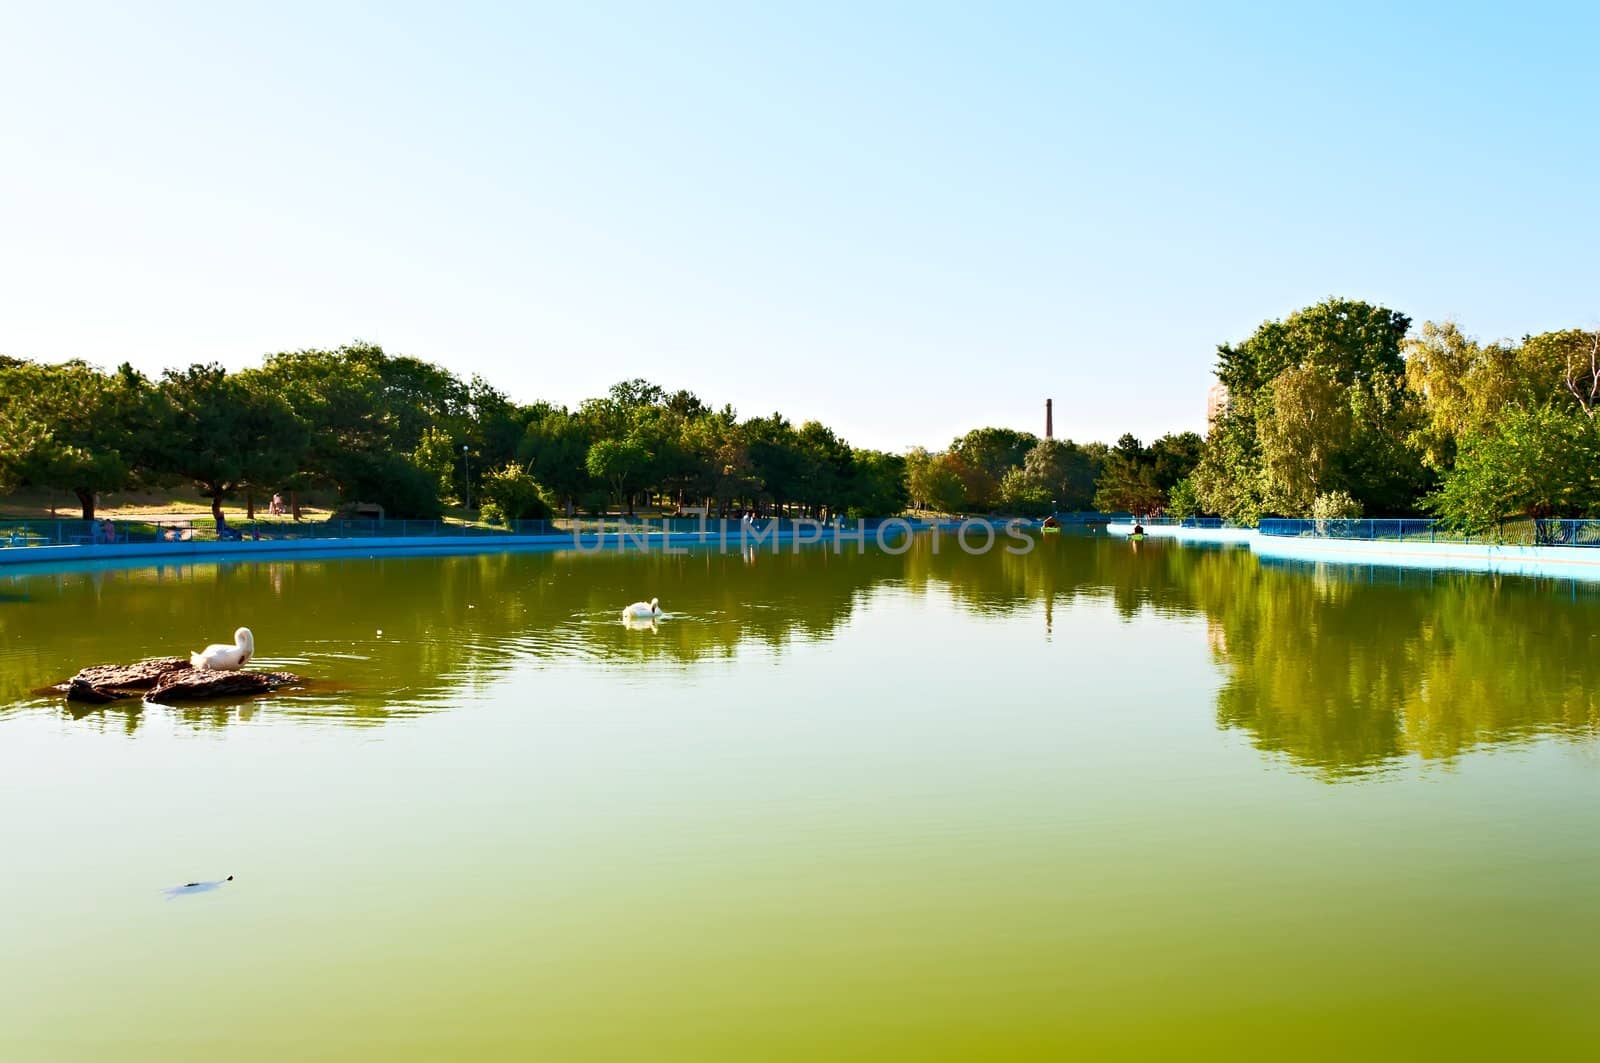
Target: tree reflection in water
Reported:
[(1342, 670)]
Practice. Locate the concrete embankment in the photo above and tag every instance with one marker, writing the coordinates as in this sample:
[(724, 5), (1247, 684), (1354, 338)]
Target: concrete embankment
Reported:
[(125, 554), (1565, 562), (1188, 535)]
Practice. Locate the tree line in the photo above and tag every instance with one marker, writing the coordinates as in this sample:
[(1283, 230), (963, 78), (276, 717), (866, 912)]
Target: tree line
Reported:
[(1339, 410), (412, 437), (1342, 410), (1004, 470)]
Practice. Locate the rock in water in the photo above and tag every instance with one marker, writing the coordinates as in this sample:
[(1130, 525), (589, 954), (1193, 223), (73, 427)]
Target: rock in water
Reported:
[(112, 682), (167, 679), (192, 684)]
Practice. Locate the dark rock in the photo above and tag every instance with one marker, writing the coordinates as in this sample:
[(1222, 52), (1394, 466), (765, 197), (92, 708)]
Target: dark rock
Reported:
[(167, 679), (131, 677), (80, 690), (192, 684)]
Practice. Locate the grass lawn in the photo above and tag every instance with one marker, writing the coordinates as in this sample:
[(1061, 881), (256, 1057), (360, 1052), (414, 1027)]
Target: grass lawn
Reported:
[(177, 504)]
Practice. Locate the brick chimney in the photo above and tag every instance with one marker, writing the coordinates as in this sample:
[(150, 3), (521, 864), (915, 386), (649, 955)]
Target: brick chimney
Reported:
[(1049, 422)]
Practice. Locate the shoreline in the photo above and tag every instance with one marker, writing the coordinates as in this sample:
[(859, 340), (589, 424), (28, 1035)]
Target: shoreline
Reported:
[(88, 556), (1566, 562)]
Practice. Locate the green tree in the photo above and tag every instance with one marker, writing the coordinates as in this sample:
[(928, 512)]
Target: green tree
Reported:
[(74, 428), (1577, 353), (825, 467), (1128, 480), (554, 449), (438, 457), (1304, 427), (1173, 457), (1532, 462), (876, 486), (368, 411), (1183, 500), (619, 463), (986, 455), (1024, 495), (934, 481), (1229, 478), (227, 432), (733, 473), (1065, 471), (775, 455), (1339, 349), (495, 425)]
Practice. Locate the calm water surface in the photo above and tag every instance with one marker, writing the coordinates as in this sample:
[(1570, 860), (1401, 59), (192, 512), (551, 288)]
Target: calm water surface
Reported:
[(1102, 801)]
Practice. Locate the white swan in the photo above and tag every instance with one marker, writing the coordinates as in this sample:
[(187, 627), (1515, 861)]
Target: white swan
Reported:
[(642, 610), (219, 658)]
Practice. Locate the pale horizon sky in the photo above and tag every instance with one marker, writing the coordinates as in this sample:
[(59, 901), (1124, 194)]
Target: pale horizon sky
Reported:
[(904, 220)]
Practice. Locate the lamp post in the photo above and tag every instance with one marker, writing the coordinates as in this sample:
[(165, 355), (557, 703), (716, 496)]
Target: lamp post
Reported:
[(466, 476)]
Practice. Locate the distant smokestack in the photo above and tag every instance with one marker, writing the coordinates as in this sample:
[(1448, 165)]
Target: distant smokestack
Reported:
[(1049, 421)]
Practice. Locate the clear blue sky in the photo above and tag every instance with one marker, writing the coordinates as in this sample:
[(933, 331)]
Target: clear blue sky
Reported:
[(905, 220)]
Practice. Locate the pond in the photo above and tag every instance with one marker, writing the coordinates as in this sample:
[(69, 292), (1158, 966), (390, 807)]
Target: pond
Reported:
[(1104, 800)]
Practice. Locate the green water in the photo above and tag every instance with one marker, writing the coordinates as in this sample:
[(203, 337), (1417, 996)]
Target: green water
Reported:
[(1098, 802)]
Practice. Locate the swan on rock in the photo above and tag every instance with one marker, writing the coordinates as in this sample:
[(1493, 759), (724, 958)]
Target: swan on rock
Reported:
[(643, 610), (220, 658)]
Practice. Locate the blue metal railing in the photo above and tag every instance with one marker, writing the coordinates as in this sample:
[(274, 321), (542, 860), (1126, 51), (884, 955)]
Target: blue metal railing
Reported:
[(1562, 532), (1090, 516), (1539, 532), (1359, 528), (24, 533), (1179, 522), (156, 530)]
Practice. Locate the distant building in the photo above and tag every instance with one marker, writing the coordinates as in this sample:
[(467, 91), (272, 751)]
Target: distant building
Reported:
[(1216, 403)]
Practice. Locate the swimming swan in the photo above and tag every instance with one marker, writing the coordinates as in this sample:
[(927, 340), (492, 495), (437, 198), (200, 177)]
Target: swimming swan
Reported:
[(642, 610), (218, 658), (196, 887)]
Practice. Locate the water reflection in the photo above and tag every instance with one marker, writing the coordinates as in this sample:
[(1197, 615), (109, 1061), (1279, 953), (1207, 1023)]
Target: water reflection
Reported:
[(1346, 670), (1341, 671)]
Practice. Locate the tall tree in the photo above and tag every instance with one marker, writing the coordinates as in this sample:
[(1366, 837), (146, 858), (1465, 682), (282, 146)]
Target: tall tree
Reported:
[(225, 432), (1540, 461), (619, 463), (1351, 347), (368, 412), (987, 454), (75, 428), (1063, 470), (935, 481), (1304, 427), (775, 455), (554, 448), (1128, 480), (876, 486)]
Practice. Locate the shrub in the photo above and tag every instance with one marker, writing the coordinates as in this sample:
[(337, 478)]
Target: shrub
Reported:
[(515, 494), (1333, 505)]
